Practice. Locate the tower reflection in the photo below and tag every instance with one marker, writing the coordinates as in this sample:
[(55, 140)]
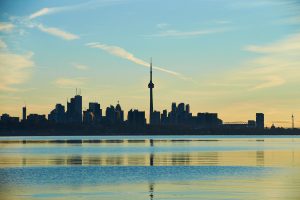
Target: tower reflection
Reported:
[(151, 190)]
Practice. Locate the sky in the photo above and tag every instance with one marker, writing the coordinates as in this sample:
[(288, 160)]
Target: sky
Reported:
[(233, 57)]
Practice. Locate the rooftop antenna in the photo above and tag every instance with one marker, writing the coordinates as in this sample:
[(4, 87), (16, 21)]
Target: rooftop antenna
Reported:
[(293, 121)]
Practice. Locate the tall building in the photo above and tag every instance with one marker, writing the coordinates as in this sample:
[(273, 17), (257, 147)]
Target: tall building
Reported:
[(164, 117), (136, 118), (208, 120), (115, 115), (119, 113), (58, 114), (95, 108), (36, 119), (74, 110), (151, 86), (24, 114), (187, 108), (173, 114), (156, 118), (260, 120)]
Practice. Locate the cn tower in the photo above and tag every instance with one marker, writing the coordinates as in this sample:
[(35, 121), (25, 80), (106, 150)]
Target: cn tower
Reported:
[(151, 86)]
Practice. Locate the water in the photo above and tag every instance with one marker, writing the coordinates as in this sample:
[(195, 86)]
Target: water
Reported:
[(158, 167)]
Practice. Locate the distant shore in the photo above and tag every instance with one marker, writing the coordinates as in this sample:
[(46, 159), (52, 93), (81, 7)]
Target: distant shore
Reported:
[(154, 132)]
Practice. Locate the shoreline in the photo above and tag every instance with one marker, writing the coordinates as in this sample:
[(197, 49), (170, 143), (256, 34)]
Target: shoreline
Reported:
[(242, 132)]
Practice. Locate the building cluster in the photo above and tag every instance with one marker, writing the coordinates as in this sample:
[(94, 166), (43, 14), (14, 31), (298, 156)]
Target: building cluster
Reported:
[(179, 115)]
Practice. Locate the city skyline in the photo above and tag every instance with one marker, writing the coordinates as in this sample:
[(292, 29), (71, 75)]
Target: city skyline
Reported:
[(234, 58)]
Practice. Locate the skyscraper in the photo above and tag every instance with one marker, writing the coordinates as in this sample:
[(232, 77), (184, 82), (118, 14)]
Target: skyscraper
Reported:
[(260, 120), (74, 109), (24, 114), (58, 114), (151, 86)]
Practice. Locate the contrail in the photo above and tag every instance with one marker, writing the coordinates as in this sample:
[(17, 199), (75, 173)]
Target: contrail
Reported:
[(122, 53)]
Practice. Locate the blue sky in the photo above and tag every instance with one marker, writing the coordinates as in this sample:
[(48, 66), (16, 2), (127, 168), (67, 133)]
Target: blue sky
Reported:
[(231, 57)]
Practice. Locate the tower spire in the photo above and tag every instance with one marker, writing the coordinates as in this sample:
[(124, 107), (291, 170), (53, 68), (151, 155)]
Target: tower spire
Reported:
[(151, 86), (151, 69)]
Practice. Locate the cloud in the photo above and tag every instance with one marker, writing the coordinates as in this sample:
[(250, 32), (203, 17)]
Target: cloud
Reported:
[(223, 22), (2, 44), (122, 53), (176, 33), (69, 82), (41, 12), (254, 4), (57, 32), (290, 20), (288, 45), (162, 25), (276, 64), (270, 81), (80, 66), (6, 26), (85, 5), (279, 62), (14, 69)]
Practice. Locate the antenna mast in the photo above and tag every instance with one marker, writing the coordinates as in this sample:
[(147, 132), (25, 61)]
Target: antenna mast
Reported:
[(151, 69), (293, 121)]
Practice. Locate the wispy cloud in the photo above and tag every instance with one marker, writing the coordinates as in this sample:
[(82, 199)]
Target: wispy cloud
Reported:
[(122, 53), (254, 4), (43, 11), (176, 33), (270, 81), (85, 5), (2, 44), (57, 32), (6, 26), (69, 82), (288, 45), (290, 20), (80, 66), (162, 25), (276, 65), (14, 69), (223, 22)]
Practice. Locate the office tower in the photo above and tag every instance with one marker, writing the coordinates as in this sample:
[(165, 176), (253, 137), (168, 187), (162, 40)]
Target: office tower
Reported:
[(119, 113), (24, 114), (187, 108), (173, 114), (58, 114), (156, 118), (95, 108), (115, 115), (36, 119), (260, 120), (74, 110), (208, 120), (151, 86), (164, 117), (136, 118)]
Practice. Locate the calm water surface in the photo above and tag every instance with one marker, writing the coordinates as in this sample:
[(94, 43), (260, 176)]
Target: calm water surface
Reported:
[(138, 167)]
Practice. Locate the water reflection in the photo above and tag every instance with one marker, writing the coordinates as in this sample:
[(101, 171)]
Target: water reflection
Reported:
[(258, 158), (150, 169), (148, 153), (151, 190)]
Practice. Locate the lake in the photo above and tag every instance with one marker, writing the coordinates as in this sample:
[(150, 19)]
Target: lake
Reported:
[(150, 167)]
